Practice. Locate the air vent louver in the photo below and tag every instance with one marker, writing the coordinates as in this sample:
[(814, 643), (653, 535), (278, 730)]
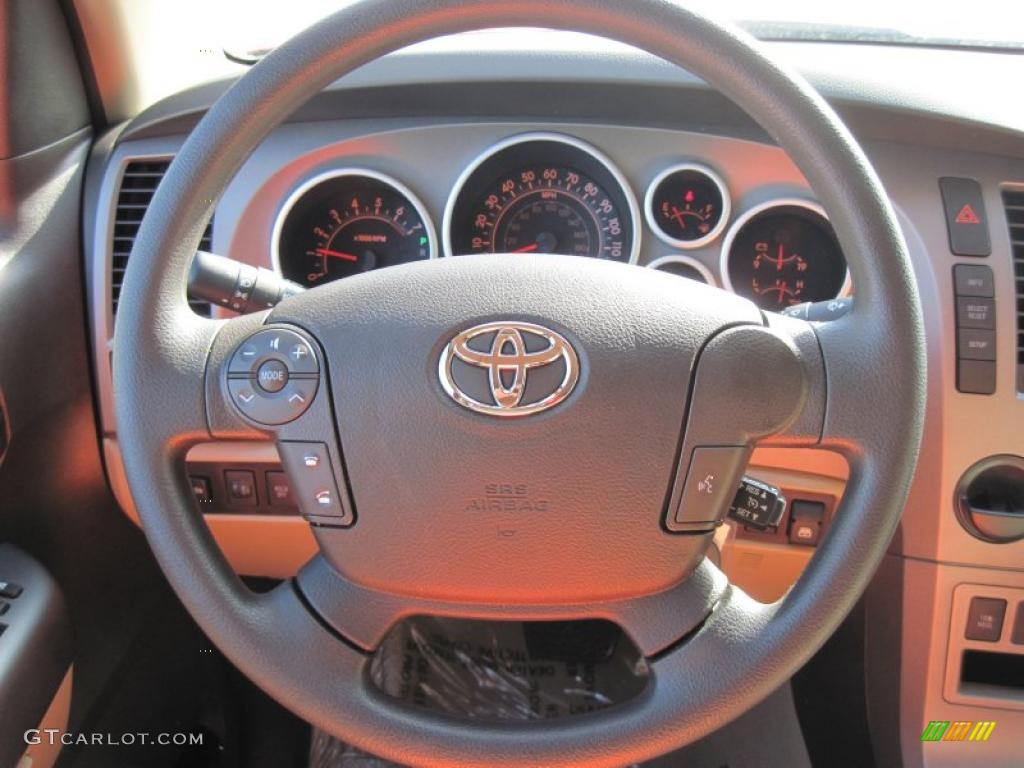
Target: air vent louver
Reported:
[(1013, 200), (138, 184)]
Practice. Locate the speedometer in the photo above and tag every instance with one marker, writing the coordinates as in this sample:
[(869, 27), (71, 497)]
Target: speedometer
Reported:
[(542, 193)]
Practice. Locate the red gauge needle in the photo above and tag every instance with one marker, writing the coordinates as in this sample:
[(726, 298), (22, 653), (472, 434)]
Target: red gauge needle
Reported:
[(527, 248), (337, 254)]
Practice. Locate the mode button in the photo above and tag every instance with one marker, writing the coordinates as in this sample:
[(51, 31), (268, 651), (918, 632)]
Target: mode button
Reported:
[(272, 376)]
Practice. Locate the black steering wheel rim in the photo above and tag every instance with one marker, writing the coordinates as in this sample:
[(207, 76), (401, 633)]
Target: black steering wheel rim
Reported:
[(744, 650)]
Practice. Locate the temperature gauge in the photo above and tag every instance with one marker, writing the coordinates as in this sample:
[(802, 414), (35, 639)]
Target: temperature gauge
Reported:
[(687, 205), (784, 253)]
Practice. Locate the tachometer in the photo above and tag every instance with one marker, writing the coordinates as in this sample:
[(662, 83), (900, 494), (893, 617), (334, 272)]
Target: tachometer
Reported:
[(345, 222), (542, 193), (782, 253)]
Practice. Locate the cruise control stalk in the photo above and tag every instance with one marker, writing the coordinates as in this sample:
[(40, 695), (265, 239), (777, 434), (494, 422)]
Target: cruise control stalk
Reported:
[(236, 286)]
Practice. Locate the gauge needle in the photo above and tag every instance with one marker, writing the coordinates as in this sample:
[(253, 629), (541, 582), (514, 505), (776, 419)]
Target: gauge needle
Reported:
[(337, 254), (527, 248)]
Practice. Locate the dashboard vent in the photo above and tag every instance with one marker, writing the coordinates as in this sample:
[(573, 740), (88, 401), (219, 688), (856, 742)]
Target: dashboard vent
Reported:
[(138, 184), (1013, 200)]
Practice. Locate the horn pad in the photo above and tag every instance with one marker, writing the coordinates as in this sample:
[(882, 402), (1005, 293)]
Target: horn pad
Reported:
[(510, 424)]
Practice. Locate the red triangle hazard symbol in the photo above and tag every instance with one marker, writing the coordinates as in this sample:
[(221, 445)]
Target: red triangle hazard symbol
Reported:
[(967, 215)]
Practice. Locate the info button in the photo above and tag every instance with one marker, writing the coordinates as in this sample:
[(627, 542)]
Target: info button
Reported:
[(272, 376)]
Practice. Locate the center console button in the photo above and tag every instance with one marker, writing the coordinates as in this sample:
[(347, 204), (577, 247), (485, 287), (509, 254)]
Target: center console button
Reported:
[(985, 619)]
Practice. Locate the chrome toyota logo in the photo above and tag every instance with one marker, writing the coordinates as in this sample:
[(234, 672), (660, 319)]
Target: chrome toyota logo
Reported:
[(509, 368)]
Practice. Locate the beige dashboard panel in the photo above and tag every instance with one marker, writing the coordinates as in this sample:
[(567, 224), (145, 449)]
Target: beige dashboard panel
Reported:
[(271, 546)]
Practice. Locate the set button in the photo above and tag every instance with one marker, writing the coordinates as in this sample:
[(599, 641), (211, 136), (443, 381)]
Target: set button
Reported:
[(273, 376)]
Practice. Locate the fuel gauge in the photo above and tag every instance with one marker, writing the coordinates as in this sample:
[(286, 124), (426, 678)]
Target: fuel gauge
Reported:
[(687, 205)]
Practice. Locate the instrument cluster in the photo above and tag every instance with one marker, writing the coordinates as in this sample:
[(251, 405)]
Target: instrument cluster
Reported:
[(550, 193)]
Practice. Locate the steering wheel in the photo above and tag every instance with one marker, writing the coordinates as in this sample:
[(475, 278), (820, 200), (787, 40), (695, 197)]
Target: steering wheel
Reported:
[(651, 419)]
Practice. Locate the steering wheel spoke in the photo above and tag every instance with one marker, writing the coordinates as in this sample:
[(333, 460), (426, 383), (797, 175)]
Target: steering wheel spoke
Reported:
[(169, 387)]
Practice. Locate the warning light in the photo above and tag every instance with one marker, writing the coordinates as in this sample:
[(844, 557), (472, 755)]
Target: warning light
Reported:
[(689, 196), (423, 241), (967, 215)]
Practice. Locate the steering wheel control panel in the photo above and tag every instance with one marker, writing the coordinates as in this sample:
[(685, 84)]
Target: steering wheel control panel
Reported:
[(273, 376)]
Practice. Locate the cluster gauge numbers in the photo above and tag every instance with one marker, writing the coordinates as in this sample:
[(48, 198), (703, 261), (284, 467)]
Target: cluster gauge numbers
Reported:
[(344, 223), (543, 196), (783, 255)]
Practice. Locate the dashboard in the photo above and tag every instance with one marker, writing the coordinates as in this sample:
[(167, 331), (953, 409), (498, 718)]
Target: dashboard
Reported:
[(554, 193), (474, 146)]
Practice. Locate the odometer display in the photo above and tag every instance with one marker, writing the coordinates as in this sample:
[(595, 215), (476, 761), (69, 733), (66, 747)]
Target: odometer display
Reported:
[(543, 195), (347, 222)]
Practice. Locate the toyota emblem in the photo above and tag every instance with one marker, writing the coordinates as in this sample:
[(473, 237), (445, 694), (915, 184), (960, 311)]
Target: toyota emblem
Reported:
[(508, 368)]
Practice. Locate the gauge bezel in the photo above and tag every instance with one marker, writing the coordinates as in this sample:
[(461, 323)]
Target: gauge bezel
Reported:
[(750, 213), (324, 176), (723, 219), (690, 261), (543, 136)]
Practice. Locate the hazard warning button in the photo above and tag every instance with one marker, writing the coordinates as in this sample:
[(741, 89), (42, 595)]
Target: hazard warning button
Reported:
[(965, 216)]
